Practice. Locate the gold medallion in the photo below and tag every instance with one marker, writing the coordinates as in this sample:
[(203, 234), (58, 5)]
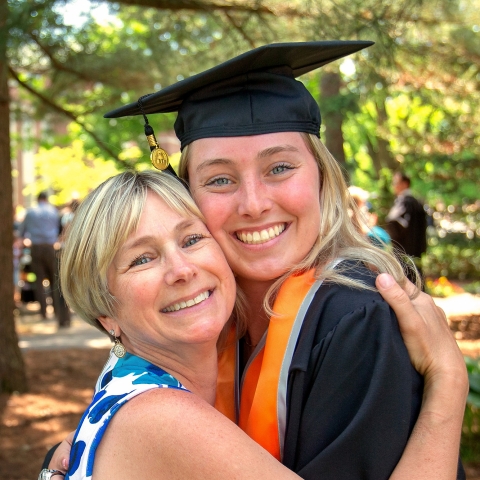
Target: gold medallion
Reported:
[(159, 158)]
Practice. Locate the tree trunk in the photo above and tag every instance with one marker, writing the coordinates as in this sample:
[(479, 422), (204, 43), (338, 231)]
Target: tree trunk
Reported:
[(12, 370), (332, 118), (377, 165), (383, 149)]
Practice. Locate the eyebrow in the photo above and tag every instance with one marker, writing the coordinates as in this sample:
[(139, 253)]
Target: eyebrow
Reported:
[(262, 154), (277, 149), (213, 161)]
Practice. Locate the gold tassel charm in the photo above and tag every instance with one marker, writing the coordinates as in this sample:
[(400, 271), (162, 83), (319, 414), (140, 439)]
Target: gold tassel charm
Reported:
[(158, 156)]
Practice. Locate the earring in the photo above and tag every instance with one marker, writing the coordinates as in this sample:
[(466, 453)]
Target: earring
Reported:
[(119, 348)]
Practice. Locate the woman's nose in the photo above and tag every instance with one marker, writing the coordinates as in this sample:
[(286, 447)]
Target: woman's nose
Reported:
[(179, 268)]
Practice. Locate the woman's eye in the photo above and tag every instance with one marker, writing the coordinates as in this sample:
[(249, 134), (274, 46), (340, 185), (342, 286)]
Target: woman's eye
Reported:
[(280, 169), (193, 239), (140, 260), (219, 181)]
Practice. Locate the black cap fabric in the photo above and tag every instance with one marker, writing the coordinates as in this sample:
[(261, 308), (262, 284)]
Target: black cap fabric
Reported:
[(252, 94)]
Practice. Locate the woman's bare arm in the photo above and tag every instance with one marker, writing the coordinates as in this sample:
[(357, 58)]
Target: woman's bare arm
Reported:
[(433, 448), (172, 434)]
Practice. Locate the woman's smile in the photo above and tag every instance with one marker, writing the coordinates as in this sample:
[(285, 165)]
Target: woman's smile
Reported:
[(200, 298)]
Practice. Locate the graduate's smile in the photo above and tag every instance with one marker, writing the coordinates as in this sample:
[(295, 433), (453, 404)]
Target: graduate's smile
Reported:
[(260, 196), (256, 237)]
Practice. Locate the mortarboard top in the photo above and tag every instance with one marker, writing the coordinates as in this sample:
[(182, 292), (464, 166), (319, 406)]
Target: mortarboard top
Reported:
[(251, 94)]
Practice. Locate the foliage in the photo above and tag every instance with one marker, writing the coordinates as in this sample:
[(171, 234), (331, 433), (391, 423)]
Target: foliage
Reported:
[(135, 52), (470, 446), (441, 287), (452, 261), (454, 242), (473, 369), (69, 172), (473, 288)]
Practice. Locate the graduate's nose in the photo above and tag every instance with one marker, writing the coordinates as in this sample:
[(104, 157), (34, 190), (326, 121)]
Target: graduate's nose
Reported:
[(253, 199)]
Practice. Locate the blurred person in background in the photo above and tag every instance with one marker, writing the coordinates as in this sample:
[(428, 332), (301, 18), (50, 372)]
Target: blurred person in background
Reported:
[(17, 253), (407, 222), (365, 220), (41, 226)]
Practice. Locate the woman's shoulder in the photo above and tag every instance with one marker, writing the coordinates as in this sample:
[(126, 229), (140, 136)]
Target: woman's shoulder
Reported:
[(174, 434), (148, 429), (161, 408)]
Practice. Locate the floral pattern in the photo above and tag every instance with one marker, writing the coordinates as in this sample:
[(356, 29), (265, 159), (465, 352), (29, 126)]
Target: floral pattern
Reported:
[(120, 380)]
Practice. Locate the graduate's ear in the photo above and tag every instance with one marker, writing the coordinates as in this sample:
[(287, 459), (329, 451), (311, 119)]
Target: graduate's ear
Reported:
[(110, 325)]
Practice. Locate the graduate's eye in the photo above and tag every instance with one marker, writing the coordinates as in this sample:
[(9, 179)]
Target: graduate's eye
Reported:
[(218, 182), (140, 260), (281, 168), (193, 239)]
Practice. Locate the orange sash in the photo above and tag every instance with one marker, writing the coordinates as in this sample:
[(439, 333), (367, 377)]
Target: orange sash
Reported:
[(262, 412)]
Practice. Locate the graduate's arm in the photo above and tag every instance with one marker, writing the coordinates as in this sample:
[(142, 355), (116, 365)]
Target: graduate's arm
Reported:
[(432, 450), (171, 434)]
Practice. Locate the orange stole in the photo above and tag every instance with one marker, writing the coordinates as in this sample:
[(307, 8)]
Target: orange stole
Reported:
[(259, 406)]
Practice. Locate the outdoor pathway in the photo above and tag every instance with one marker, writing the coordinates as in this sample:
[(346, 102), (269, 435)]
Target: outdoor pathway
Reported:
[(463, 312), (35, 333)]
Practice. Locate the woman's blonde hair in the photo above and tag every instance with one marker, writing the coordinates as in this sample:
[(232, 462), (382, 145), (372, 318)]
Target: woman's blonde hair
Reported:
[(102, 223), (338, 237)]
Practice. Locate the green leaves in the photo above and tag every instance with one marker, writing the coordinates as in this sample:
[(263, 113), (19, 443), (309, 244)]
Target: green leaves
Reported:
[(473, 369)]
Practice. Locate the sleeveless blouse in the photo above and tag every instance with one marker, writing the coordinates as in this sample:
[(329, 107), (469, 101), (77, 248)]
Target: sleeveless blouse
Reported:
[(120, 380)]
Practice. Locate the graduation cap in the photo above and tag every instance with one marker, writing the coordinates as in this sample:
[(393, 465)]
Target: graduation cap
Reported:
[(252, 94)]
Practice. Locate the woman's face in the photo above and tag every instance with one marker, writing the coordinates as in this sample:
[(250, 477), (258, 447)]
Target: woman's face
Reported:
[(260, 198), (171, 280)]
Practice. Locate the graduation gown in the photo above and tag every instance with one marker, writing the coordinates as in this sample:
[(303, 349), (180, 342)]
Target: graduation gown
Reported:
[(352, 395)]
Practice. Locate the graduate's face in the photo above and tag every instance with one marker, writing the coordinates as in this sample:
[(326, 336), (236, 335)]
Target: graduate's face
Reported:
[(260, 197), (171, 280)]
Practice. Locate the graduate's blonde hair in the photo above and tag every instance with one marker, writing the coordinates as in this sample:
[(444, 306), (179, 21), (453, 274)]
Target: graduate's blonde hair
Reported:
[(338, 236)]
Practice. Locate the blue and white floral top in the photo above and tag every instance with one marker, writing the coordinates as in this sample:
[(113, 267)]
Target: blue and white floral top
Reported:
[(120, 380)]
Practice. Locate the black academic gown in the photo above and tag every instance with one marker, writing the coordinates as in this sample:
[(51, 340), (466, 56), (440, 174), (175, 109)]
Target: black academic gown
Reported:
[(353, 396)]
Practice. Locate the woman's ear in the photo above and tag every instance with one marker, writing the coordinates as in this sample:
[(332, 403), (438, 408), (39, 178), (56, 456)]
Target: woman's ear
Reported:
[(109, 324)]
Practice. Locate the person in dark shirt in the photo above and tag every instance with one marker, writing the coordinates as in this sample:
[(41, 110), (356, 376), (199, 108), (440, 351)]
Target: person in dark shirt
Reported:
[(407, 222)]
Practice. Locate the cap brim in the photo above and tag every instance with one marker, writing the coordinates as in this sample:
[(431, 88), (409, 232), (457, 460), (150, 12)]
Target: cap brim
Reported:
[(300, 57)]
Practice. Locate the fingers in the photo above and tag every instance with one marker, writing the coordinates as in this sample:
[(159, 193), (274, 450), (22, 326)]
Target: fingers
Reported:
[(60, 459), (398, 299), (425, 331)]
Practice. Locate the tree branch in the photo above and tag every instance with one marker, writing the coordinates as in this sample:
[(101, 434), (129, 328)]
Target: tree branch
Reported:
[(208, 6), (54, 62), (239, 29), (66, 113)]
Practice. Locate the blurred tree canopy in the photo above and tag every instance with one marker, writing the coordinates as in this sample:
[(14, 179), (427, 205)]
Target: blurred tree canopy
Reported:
[(410, 102)]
